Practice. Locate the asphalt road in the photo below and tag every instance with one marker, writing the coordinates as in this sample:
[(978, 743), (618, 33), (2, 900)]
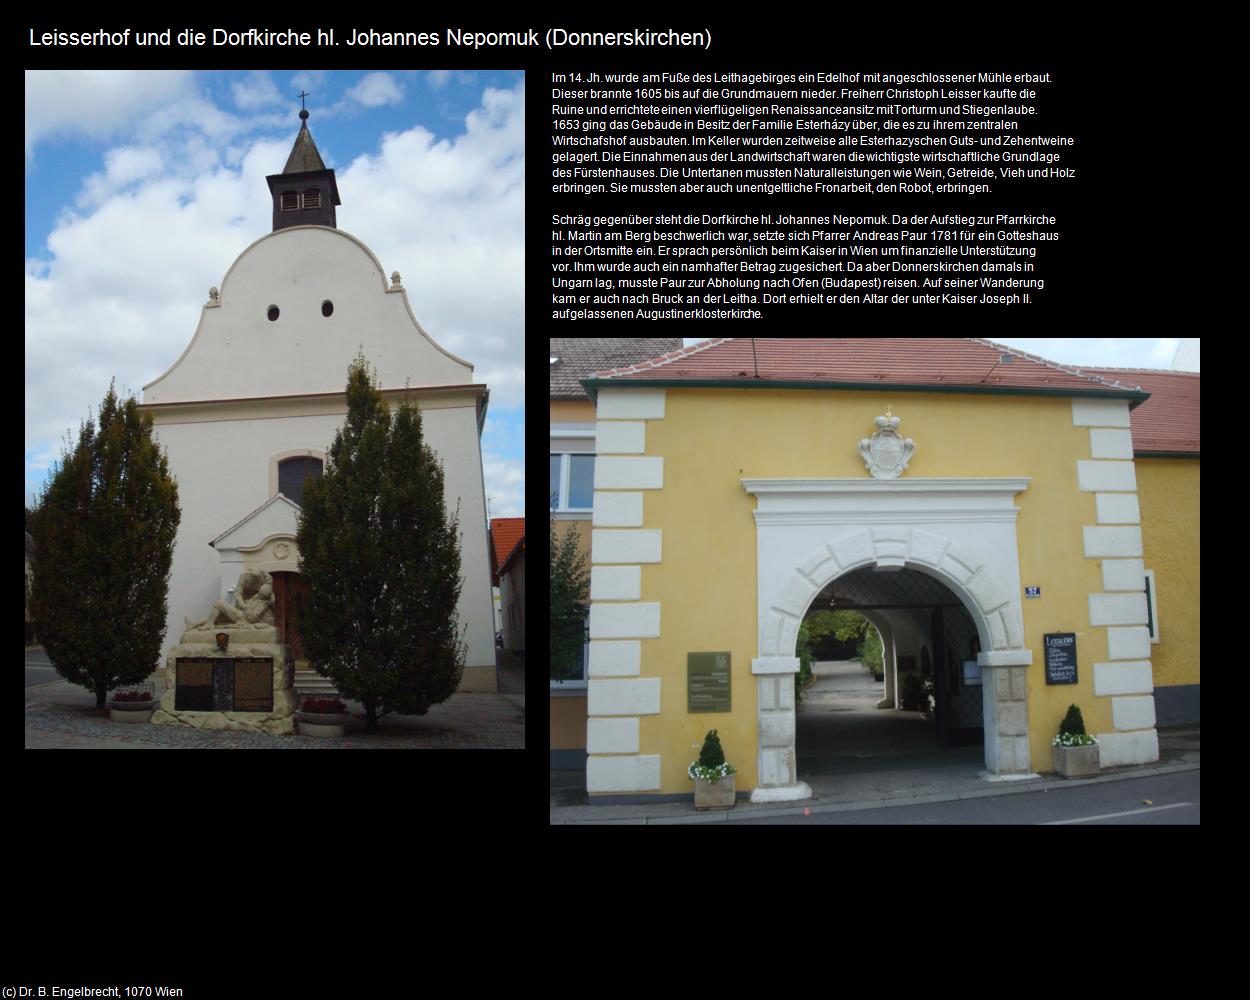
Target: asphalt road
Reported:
[(1155, 800), (39, 669)]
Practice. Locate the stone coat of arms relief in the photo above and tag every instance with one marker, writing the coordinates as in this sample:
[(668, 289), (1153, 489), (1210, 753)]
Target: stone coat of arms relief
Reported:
[(887, 453)]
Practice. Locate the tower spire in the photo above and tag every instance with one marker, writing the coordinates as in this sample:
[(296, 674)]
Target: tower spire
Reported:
[(305, 193)]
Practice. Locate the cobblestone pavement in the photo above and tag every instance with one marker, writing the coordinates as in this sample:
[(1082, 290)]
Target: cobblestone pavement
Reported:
[(62, 715)]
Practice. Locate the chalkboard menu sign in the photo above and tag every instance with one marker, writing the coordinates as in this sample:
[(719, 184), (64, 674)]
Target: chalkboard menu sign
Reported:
[(707, 678), (1061, 658)]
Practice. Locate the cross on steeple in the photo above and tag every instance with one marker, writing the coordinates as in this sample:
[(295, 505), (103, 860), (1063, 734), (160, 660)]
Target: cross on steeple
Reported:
[(303, 111)]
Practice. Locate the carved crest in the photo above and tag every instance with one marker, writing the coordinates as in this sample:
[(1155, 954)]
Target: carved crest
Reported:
[(887, 453)]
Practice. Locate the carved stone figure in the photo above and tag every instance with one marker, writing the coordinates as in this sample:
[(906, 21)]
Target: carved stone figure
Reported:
[(253, 604)]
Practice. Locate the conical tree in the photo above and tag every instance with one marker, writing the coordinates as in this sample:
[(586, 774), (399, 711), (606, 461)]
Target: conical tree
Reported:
[(381, 560), (570, 590), (104, 540)]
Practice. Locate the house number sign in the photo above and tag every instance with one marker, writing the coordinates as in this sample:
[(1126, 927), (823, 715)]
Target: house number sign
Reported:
[(707, 682)]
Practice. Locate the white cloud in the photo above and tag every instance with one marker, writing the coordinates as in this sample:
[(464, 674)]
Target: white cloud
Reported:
[(97, 103), (505, 485), (438, 78), (122, 167), (376, 89), (1103, 352), (461, 254), (256, 91)]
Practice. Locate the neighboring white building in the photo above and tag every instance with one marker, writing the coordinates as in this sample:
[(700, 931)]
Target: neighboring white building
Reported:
[(1187, 356), (247, 411)]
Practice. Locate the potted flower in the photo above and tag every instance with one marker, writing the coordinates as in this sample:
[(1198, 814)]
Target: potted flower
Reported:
[(132, 705), (321, 717), (713, 777), (1076, 753)]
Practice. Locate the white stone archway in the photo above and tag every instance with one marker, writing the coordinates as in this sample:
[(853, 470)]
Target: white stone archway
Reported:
[(810, 532)]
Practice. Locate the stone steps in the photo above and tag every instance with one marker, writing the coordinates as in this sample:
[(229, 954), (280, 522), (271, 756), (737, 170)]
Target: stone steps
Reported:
[(309, 682)]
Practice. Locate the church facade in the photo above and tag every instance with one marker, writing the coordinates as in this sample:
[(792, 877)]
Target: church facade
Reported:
[(1024, 536), (248, 410)]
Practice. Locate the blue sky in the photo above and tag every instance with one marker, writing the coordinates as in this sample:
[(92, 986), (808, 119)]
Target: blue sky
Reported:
[(142, 188), (1105, 352)]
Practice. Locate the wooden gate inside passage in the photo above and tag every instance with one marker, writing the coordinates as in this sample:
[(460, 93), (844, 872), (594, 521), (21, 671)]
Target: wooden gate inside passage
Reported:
[(285, 588)]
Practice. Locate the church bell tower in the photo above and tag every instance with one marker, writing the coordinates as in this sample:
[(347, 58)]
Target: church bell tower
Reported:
[(305, 193)]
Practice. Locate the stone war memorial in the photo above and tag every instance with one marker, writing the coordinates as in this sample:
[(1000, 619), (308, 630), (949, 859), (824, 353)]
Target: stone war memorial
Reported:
[(230, 670)]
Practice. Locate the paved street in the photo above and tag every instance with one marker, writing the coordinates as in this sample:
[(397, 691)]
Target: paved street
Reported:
[(38, 668), (879, 766), (63, 715), (1157, 800)]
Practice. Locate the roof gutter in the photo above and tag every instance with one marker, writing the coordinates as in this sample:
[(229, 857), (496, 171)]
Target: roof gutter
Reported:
[(593, 385)]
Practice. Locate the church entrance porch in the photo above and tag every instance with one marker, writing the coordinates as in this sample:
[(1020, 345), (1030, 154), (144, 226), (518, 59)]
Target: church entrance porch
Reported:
[(286, 588)]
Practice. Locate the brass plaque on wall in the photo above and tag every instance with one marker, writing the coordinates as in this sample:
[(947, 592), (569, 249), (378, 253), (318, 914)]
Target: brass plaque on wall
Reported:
[(707, 682), (253, 685), (224, 685), (193, 685)]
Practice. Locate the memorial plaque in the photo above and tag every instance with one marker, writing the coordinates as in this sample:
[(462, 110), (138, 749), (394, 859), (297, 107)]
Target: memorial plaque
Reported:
[(224, 685), (707, 678), (253, 685), (1061, 658), (193, 680)]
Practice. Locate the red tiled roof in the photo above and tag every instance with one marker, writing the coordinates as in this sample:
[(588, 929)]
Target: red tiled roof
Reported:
[(923, 362), (577, 358), (1170, 421), (505, 533)]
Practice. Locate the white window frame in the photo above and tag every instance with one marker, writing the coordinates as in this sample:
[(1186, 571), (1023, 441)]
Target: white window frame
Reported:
[(559, 448), (1152, 599)]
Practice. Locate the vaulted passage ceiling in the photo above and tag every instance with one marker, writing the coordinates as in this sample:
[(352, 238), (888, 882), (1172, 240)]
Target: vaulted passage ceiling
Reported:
[(868, 588)]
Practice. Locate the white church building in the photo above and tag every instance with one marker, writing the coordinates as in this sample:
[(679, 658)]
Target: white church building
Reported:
[(249, 409)]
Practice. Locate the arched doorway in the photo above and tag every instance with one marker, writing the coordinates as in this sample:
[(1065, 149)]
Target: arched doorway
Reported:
[(932, 704), (960, 532)]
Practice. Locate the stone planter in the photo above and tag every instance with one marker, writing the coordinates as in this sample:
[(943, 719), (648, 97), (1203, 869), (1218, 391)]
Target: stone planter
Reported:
[(327, 725), (133, 712), (715, 794), (1076, 762)]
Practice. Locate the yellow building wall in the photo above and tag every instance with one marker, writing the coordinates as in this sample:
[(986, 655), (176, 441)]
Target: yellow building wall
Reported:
[(568, 712), (1168, 491), (572, 411), (706, 585)]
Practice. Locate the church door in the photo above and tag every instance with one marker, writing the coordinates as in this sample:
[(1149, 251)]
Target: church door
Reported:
[(285, 587)]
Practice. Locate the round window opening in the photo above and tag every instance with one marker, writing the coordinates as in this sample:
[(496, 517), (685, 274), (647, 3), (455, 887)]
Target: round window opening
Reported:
[(327, 308), (273, 313)]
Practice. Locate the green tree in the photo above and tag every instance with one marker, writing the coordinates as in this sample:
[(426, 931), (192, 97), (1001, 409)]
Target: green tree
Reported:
[(381, 560), (570, 591), (104, 540)]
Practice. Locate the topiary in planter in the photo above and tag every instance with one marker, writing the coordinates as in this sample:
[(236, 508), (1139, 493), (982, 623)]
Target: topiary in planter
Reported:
[(711, 756), (1076, 753), (713, 776), (1073, 723)]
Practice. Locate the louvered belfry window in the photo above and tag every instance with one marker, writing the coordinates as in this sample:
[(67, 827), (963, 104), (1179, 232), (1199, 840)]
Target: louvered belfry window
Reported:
[(312, 198), (290, 201)]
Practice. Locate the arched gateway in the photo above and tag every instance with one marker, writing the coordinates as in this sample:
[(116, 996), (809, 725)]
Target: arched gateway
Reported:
[(962, 532)]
